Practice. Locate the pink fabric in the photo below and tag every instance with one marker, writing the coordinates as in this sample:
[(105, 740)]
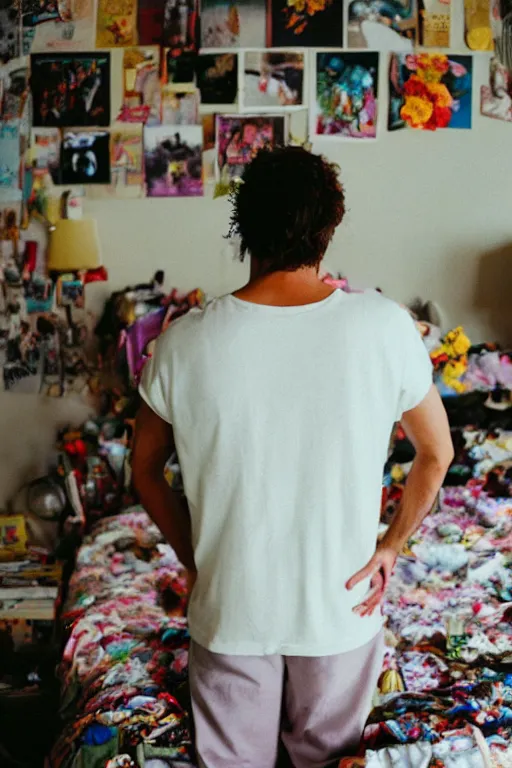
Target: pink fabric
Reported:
[(242, 705)]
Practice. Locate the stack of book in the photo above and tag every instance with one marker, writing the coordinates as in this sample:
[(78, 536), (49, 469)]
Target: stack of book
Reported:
[(28, 590), (28, 587)]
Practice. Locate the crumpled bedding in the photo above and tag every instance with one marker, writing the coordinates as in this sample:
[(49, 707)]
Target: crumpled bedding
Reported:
[(125, 660), (445, 693)]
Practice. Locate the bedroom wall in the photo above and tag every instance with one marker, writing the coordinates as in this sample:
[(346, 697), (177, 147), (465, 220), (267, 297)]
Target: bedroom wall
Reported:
[(28, 427), (428, 214)]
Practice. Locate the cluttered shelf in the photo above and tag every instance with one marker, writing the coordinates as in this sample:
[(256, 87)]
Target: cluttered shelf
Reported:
[(444, 692)]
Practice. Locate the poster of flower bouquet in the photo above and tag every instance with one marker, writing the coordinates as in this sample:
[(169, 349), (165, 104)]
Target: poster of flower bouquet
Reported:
[(430, 91), (313, 23)]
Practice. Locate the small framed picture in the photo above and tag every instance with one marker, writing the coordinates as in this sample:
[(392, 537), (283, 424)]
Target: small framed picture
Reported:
[(272, 80), (38, 294), (70, 89), (85, 157), (70, 292), (13, 534)]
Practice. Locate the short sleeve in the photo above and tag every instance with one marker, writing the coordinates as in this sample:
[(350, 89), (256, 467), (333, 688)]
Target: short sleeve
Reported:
[(416, 366), (155, 385)]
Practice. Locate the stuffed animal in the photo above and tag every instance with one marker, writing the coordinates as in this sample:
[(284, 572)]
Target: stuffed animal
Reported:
[(453, 373), (457, 343), (450, 360), (391, 682)]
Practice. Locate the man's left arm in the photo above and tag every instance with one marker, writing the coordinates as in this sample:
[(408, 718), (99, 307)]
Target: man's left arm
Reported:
[(153, 445), (427, 428)]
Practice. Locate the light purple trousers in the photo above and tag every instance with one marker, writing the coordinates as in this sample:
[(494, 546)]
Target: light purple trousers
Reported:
[(318, 706)]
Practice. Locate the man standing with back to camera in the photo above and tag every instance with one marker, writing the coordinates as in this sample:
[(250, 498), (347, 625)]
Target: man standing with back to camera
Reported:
[(280, 400)]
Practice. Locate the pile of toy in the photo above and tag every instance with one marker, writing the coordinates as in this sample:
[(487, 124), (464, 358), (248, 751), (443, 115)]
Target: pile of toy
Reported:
[(132, 320)]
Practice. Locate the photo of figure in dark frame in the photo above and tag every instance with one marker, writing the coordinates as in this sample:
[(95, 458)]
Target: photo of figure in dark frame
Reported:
[(313, 26), (70, 90)]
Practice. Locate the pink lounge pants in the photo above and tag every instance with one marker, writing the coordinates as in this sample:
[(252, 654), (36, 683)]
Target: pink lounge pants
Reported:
[(318, 706)]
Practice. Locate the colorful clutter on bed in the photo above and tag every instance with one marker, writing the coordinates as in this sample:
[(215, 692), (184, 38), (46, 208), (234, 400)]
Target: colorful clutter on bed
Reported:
[(446, 689), (445, 698), (126, 654)]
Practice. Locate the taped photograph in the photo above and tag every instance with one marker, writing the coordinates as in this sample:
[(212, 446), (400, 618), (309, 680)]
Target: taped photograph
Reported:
[(272, 80), (85, 157)]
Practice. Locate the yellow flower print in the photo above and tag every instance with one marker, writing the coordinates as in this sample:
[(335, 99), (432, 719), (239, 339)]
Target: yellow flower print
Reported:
[(416, 111), (432, 67), (441, 94), (314, 6)]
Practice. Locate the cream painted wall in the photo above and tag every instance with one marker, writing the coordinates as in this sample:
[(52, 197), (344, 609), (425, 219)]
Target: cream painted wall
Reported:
[(428, 214)]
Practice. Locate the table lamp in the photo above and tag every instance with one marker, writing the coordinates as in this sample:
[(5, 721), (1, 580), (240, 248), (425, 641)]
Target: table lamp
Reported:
[(73, 247)]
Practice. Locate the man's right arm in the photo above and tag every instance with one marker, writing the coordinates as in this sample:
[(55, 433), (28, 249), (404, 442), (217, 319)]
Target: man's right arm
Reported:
[(153, 444)]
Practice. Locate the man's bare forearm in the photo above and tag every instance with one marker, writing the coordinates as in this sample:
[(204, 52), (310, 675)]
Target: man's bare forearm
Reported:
[(169, 511), (422, 486)]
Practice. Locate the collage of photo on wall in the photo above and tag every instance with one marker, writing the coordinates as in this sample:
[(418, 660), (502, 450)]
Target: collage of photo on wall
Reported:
[(29, 333), (42, 330), (187, 26), (207, 83)]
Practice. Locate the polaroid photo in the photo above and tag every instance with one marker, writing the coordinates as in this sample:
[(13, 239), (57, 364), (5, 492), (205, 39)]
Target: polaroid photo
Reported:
[(239, 138), (496, 97), (70, 89), (173, 160), (54, 25), (178, 70), (141, 86), (116, 23), (10, 40), (172, 24), (70, 292), (14, 89), (179, 106), (45, 152), (10, 161), (85, 157), (126, 164), (217, 78), (208, 123), (225, 24), (345, 95), (39, 294), (272, 80), (308, 23), (378, 29)]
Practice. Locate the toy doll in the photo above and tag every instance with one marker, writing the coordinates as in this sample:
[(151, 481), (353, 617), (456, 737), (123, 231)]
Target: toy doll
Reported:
[(450, 360), (14, 332)]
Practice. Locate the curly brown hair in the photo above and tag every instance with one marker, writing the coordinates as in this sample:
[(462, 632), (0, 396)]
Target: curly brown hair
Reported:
[(286, 208)]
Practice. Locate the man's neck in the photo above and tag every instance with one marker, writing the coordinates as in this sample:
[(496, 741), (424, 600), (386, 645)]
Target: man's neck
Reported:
[(285, 289)]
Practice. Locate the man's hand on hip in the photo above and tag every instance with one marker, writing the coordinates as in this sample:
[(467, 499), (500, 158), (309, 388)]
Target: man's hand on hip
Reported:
[(378, 570)]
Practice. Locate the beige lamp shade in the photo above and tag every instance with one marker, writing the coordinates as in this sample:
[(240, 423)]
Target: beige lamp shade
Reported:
[(74, 245)]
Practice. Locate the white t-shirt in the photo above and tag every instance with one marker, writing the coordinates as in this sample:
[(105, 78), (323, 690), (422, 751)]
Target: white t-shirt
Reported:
[(282, 418)]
